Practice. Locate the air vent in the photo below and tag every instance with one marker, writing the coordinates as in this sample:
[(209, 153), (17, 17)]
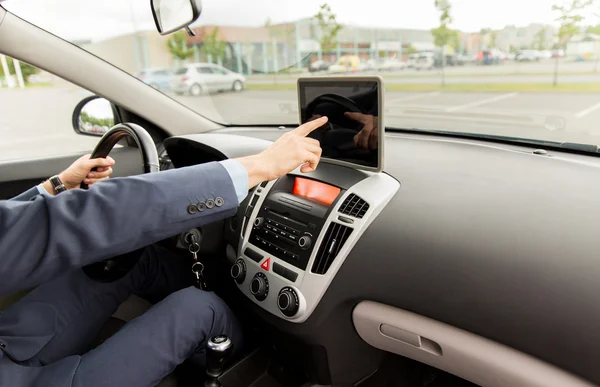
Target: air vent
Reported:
[(354, 206), (334, 240)]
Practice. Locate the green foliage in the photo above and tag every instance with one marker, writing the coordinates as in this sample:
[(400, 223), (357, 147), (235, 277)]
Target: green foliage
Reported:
[(26, 69), (512, 49), (593, 30), (411, 50), (329, 27), (213, 46), (540, 40), (493, 37), (178, 47), (569, 19), (96, 121), (443, 35)]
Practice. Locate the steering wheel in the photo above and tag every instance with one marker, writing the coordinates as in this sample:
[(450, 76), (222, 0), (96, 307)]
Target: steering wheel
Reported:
[(115, 268)]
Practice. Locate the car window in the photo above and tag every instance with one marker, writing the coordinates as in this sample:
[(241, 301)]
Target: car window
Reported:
[(181, 71), (161, 72), (205, 70), (480, 86), (36, 110)]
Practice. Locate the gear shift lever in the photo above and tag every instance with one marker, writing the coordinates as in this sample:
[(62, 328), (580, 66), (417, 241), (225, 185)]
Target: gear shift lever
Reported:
[(218, 350)]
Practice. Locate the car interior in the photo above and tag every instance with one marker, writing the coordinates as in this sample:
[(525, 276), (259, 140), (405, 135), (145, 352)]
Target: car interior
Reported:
[(429, 259)]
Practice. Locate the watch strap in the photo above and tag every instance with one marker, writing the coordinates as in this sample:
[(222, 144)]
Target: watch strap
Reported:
[(57, 184)]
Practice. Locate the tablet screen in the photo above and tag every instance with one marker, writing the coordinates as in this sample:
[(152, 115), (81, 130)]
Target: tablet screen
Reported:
[(353, 134)]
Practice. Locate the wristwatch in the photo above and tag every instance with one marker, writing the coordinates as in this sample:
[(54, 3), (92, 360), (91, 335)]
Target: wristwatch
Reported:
[(57, 184)]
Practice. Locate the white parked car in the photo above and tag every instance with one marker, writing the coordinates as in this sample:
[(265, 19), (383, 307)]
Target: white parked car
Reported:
[(199, 78), (412, 60), (425, 61), (528, 56)]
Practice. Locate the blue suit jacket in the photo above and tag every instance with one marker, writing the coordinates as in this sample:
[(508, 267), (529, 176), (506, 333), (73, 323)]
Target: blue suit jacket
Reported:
[(42, 237)]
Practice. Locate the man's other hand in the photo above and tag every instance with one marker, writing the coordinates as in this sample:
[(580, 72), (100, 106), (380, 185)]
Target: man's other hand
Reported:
[(290, 151), (81, 171)]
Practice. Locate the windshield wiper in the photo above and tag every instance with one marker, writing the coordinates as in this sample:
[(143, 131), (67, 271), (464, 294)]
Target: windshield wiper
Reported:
[(578, 147)]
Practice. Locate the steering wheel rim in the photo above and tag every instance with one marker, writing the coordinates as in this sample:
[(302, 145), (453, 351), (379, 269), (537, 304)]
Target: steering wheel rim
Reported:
[(115, 268)]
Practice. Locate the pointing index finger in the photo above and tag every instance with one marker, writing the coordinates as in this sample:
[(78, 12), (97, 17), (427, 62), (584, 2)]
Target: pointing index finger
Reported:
[(305, 129)]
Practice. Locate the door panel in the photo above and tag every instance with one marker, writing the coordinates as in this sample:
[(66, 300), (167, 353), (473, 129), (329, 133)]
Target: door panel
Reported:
[(19, 176)]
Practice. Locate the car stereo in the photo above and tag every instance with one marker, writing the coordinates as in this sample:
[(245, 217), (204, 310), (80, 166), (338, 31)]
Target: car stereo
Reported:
[(291, 218)]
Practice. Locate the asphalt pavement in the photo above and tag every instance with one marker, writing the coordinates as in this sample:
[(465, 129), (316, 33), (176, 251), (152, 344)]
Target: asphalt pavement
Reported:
[(36, 122)]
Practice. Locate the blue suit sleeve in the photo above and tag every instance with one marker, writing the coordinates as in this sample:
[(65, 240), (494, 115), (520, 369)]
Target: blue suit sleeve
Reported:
[(49, 235), (239, 177), (27, 195)]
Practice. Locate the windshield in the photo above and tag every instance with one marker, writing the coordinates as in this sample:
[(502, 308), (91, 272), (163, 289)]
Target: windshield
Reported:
[(508, 68)]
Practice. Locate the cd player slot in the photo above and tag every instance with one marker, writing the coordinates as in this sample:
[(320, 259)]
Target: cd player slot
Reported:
[(271, 211)]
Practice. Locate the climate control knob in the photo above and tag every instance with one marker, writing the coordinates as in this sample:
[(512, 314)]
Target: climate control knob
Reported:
[(259, 286), (288, 302), (305, 242), (258, 222), (238, 271)]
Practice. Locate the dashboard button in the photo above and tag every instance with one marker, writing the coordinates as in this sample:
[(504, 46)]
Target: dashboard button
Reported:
[(253, 255), (290, 274), (279, 269), (292, 237)]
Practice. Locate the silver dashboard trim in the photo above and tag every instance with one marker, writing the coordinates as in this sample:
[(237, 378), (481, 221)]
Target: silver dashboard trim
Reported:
[(377, 190)]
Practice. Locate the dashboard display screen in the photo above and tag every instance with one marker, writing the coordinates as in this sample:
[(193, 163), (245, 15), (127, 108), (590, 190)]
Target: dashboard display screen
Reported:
[(353, 134), (315, 190)]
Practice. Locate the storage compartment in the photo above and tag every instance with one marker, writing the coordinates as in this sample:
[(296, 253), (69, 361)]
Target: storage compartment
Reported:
[(262, 368)]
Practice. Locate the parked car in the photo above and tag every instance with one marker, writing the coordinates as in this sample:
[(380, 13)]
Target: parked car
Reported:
[(319, 65), (159, 78), (395, 64), (425, 61), (412, 60), (545, 54), (528, 56), (200, 78), (346, 63)]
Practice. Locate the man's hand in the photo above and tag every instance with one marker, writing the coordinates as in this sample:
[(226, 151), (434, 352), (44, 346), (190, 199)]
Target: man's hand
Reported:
[(367, 138), (81, 172), (290, 151)]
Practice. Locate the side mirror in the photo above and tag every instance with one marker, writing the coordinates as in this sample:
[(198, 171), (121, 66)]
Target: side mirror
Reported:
[(93, 116), (173, 15)]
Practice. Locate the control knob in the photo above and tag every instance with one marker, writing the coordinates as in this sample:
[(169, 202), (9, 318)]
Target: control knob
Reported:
[(258, 222), (305, 242), (238, 271), (287, 302), (259, 286)]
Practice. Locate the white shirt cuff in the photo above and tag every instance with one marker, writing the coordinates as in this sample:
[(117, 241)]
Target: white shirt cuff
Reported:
[(42, 190), (239, 177)]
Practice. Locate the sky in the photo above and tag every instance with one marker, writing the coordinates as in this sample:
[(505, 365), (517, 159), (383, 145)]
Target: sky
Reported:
[(99, 19)]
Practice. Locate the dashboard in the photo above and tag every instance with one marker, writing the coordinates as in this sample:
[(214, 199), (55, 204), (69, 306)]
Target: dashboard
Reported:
[(493, 241), (296, 231)]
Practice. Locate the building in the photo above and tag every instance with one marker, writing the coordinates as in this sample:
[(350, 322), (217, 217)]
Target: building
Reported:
[(264, 49), (133, 52), (583, 47)]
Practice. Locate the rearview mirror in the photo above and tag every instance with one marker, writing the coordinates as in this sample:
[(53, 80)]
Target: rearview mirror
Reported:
[(173, 15), (93, 116)]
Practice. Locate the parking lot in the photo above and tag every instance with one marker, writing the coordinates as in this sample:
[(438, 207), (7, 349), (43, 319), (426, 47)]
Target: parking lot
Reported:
[(36, 122)]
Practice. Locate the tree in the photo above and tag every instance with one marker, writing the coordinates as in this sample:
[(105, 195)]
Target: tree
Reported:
[(569, 19), (178, 47), (442, 35), (329, 27), (212, 46), (512, 49), (593, 30), (540, 39), (26, 69), (411, 49), (493, 36)]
